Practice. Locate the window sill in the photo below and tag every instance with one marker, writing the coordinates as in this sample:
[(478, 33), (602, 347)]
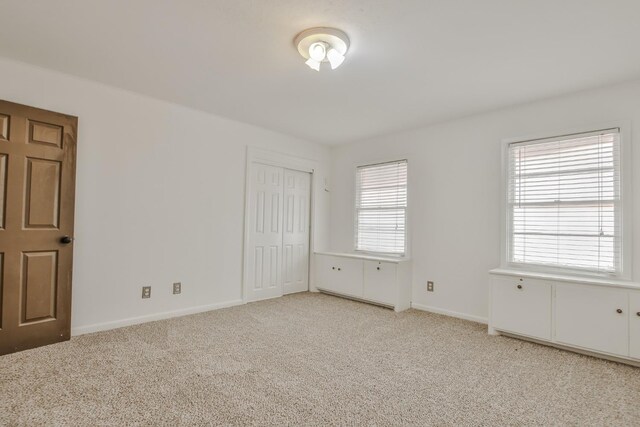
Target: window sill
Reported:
[(566, 278), (369, 257)]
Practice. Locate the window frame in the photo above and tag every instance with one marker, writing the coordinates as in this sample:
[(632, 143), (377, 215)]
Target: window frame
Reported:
[(625, 211), (405, 253)]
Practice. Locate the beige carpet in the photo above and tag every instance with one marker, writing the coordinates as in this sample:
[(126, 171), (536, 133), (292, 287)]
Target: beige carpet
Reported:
[(311, 359)]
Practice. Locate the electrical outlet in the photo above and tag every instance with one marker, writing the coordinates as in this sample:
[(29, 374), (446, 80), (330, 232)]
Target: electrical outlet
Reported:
[(177, 288), (429, 286), (146, 292)]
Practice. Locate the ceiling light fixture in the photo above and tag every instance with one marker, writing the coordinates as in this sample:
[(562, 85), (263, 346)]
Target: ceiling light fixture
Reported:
[(318, 45)]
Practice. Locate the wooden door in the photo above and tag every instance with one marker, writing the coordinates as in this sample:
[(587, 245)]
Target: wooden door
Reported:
[(265, 233), (295, 245), (37, 189)]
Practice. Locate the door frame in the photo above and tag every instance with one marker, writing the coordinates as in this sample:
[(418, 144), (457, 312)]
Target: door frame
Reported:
[(281, 160)]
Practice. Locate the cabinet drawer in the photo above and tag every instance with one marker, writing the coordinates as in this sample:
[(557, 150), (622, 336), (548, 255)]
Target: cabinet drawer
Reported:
[(593, 317), (380, 283), (521, 306), (634, 324)]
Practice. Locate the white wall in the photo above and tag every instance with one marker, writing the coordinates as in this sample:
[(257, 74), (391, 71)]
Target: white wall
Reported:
[(160, 197), (454, 188)]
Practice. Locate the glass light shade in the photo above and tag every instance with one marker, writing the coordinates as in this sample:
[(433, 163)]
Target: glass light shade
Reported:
[(318, 51), (335, 58), (313, 64)]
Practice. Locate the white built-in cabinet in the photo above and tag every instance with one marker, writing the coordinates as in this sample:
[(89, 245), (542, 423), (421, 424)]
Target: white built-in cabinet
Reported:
[(592, 315), (634, 325), (380, 280)]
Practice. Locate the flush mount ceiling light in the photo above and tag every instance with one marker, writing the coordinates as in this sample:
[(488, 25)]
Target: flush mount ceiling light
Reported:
[(318, 45)]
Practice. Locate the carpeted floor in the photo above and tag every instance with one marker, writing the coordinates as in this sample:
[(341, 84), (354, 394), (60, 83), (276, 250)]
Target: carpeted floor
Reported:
[(311, 359)]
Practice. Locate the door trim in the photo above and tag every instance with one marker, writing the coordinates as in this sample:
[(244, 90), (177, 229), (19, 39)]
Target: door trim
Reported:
[(277, 159)]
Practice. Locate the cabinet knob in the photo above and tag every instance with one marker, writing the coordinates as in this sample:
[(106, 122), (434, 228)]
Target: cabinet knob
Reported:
[(638, 313), (339, 268), (377, 268), (519, 286), (333, 268), (619, 311)]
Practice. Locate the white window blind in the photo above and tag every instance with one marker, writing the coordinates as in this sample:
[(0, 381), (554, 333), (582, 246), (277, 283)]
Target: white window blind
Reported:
[(381, 205), (564, 202)]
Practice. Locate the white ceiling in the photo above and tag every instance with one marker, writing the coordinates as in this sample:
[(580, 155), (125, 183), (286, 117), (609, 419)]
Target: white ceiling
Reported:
[(411, 63)]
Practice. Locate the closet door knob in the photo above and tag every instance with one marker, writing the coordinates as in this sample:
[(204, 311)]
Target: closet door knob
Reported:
[(519, 286), (619, 311)]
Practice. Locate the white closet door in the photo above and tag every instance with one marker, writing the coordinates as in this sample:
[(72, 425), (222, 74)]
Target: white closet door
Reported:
[(297, 192), (265, 232)]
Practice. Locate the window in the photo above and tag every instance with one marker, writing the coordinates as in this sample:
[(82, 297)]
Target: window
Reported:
[(564, 202), (381, 207)]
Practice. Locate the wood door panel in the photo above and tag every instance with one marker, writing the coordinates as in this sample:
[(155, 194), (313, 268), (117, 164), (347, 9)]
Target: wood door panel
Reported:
[(258, 268), (265, 213), (274, 266), (288, 266), (260, 212), (39, 286), (275, 213), (42, 194), (1, 289), (37, 195), (301, 265), (296, 231), (45, 133), (4, 127), (3, 188)]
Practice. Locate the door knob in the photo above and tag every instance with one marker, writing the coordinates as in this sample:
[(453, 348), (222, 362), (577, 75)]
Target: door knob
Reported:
[(65, 240)]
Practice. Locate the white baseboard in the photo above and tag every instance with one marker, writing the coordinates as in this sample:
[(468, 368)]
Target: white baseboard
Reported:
[(450, 313), (97, 327)]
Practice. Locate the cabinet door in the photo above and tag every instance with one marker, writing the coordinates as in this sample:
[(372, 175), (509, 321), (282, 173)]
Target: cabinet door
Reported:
[(521, 306), (593, 318), (349, 278), (325, 272), (380, 282), (634, 324), (339, 274)]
